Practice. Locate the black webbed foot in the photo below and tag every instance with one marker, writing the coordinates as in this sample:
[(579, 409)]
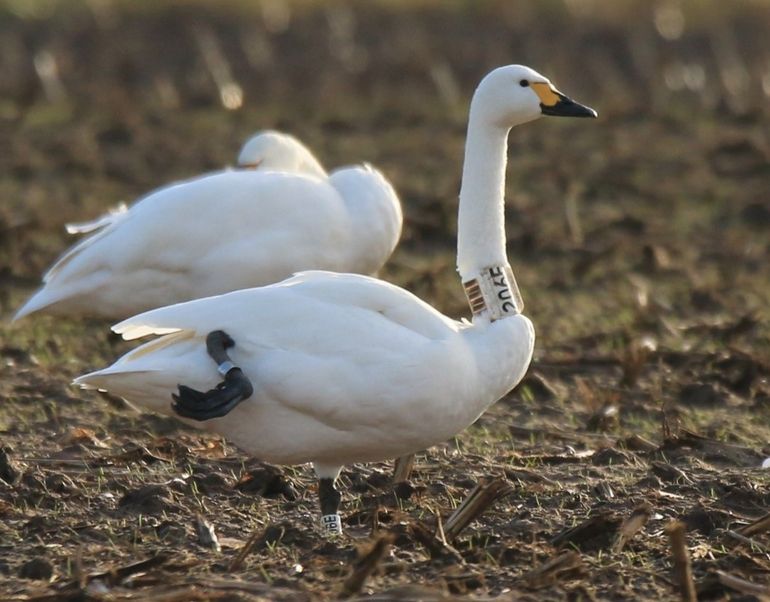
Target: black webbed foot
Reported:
[(219, 401), (216, 402)]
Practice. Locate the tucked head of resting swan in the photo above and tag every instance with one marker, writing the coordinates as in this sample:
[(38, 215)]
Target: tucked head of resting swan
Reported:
[(275, 151), (335, 368), (278, 213)]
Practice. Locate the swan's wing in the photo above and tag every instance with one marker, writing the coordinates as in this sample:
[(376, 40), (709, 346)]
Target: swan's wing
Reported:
[(170, 227), (61, 272), (394, 303), (338, 350), (106, 223), (174, 243), (242, 311)]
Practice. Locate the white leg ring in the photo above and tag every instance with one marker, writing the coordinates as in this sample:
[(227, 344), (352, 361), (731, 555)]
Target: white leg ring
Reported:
[(331, 524)]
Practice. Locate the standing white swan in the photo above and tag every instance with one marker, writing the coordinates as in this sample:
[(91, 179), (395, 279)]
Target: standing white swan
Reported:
[(341, 368), (277, 214)]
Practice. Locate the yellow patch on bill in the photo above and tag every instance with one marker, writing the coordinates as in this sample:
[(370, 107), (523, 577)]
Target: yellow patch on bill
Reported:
[(546, 92)]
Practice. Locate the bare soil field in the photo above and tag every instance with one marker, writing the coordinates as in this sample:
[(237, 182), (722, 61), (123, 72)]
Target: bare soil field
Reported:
[(641, 242)]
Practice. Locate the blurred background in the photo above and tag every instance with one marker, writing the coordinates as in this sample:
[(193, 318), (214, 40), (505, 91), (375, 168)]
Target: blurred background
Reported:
[(102, 100), (649, 223)]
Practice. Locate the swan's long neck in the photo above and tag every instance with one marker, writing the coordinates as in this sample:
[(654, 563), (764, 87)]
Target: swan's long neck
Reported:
[(481, 258), (481, 226)]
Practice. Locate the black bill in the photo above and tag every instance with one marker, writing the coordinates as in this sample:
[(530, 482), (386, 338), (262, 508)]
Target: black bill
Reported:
[(566, 107)]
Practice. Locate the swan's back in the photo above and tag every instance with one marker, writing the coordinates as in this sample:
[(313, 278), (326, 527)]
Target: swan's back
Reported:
[(268, 310), (375, 212), (213, 234)]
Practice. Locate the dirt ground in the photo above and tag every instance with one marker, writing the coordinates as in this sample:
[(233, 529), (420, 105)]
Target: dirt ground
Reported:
[(640, 241)]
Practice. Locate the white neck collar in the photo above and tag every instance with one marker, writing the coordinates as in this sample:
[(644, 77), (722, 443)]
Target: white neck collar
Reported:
[(494, 293)]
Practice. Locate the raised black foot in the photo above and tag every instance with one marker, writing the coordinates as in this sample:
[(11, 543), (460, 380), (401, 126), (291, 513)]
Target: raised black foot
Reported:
[(219, 401)]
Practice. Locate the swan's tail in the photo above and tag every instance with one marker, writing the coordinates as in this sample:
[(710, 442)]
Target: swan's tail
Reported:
[(106, 379), (139, 387), (40, 300), (149, 374)]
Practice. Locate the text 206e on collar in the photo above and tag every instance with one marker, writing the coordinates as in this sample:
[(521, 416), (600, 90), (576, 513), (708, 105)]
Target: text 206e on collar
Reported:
[(494, 291)]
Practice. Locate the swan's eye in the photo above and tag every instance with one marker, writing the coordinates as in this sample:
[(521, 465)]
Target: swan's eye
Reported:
[(523, 83)]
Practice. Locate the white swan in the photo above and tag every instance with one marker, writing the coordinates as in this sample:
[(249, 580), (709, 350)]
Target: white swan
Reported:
[(347, 368), (277, 214)]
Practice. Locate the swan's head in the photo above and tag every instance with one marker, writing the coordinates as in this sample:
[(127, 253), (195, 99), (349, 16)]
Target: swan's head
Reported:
[(275, 151), (515, 94)]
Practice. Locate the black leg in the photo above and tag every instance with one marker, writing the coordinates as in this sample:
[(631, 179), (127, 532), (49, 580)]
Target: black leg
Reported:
[(330, 504), (219, 401), (217, 344)]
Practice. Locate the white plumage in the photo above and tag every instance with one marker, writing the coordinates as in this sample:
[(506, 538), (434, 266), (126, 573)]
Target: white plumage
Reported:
[(347, 368), (277, 214)]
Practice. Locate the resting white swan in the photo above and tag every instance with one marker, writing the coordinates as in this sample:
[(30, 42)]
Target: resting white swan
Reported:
[(225, 231), (341, 368)]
